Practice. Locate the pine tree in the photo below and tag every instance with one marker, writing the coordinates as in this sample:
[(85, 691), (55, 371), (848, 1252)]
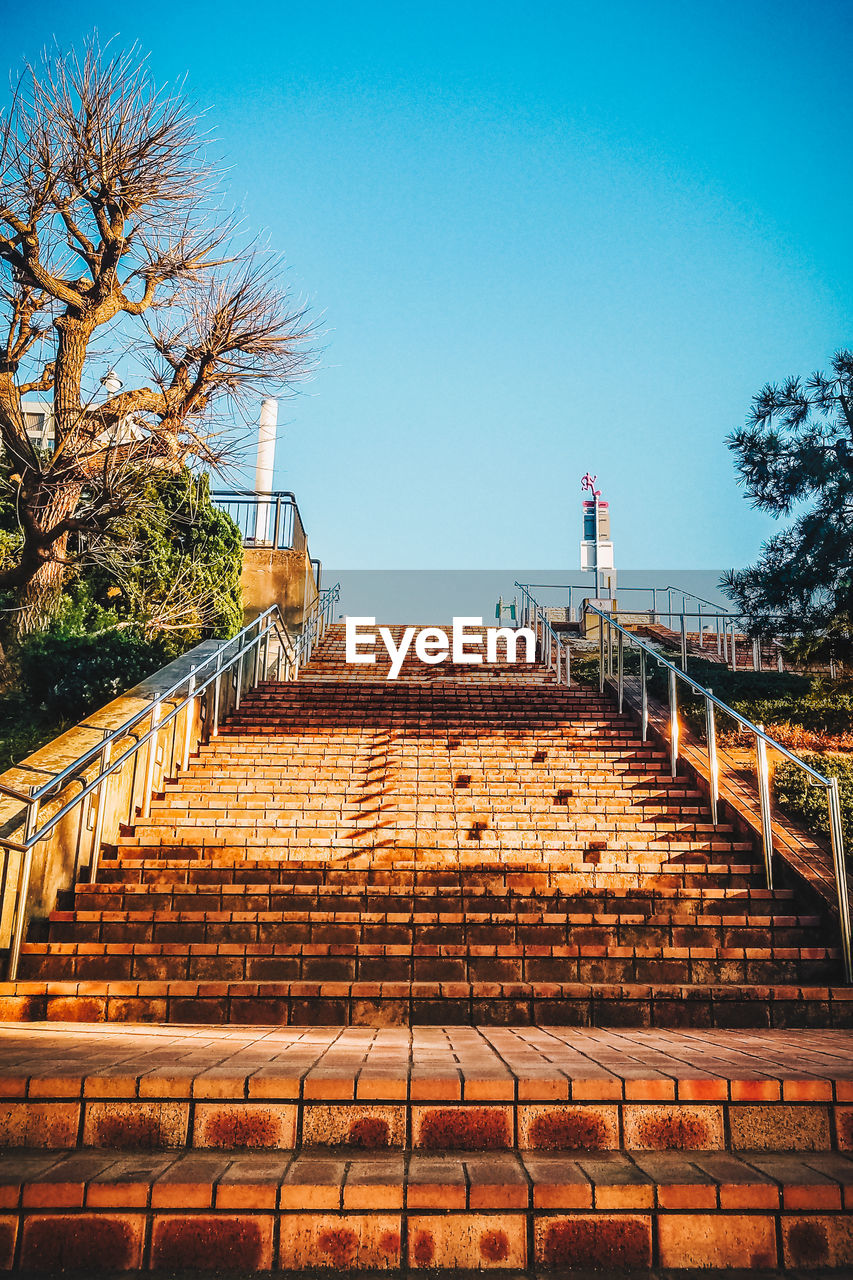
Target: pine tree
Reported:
[(795, 458)]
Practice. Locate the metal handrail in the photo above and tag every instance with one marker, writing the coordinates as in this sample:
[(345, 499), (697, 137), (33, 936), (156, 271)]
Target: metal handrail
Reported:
[(265, 519), (763, 740), (252, 643), (725, 620), (727, 637), (555, 655), (55, 782), (317, 620)]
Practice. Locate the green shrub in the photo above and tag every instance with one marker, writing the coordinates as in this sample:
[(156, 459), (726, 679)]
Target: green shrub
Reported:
[(67, 676), (177, 569), (808, 804)]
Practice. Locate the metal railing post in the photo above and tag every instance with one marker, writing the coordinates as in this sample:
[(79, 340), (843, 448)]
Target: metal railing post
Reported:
[(764, 800), (734, 649), (683, 642), (644, 697), (620, 666), (98, 833), (673, 725), (600, 654), (19, 920), (256, 655), (238, 691), (217, 686), (568, 666), (713, 767), (837, 837), (756, 656), (189, 715), (151, 761)]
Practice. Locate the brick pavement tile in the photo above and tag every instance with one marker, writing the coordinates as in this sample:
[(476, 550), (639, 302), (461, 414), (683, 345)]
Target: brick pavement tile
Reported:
[(813, 1240), (189, 1183), (343, 1242), (717, 1240), (781, 1127), (476, 1241), (39, 1124), (436, 1182), (373, 1182), (252, 1181), (597, 1241), (223, 1242), (82, 1242), (122, 1125), (313, 1182), (125, 1183), (679, 1127), (250, 1125)]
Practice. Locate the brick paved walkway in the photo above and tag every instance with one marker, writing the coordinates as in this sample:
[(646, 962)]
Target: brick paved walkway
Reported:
[(453, 1063)]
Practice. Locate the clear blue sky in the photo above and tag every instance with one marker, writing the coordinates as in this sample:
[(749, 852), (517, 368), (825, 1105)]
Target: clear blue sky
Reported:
[(541, 238)]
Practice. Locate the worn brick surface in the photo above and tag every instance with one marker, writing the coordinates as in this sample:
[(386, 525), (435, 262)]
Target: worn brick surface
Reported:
[(464, 845), (442, 974)]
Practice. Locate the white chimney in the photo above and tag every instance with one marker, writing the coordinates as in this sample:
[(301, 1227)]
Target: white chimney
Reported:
[(265, 465)]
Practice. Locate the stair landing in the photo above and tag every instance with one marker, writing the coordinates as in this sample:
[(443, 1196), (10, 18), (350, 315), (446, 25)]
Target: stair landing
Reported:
[(431, 1148)]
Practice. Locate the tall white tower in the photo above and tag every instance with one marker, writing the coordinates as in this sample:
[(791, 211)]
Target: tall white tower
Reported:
[(596, 547), (267, 430)]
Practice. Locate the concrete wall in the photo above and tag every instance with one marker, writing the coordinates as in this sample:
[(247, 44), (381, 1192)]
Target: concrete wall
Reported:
[(285, 578)]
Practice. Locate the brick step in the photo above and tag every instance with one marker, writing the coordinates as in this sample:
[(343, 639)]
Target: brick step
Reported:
[(435, 800), (105, 1212), (517, 878), (548, 813), (633, 757), (617, 853), (427, 840), (625, 877), (424, 1089), (328, 901), (341, 961), (540, 822), (430, 1003), (281, 765), (583, 935)]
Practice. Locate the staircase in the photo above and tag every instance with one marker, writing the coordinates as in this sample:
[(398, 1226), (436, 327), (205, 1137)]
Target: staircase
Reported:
[(441, 972)]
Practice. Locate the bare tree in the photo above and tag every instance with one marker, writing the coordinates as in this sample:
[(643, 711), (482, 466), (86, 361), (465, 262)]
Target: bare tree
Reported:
[(110, 235)]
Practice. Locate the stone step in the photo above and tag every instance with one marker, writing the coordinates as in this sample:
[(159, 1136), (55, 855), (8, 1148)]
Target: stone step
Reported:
[(340, 961), (538, 919), (380, 1003), (425, 1088), (698, 882), (106, 1212), (518, 878)]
